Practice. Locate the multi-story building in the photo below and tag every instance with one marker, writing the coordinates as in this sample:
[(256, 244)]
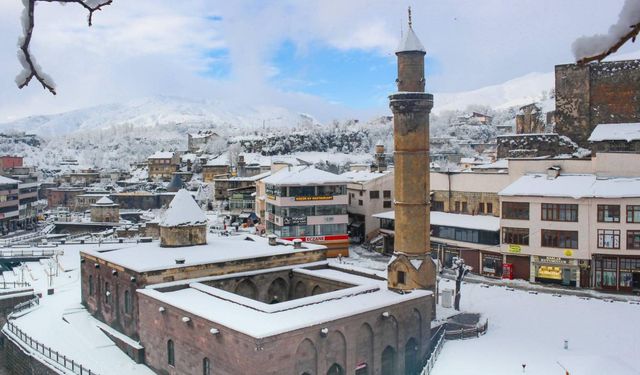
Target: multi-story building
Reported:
[(162, 165), (576, 229), (224, 186), (8, 162), (310, 204), (9, 204), (198, 142), (63, 197), (370, 192)]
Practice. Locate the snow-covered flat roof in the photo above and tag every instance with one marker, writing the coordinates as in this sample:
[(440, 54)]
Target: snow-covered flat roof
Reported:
[(256, 177), (162, 155), (574, 186), (364, 176), (479, 222), (269, 320), (145, 257), (616, 132), (6, 180), (304, 175), (498, 164)]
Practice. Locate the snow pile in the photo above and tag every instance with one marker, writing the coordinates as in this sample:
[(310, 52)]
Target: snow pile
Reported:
[(183, 211), (587, 46), (616, 132)]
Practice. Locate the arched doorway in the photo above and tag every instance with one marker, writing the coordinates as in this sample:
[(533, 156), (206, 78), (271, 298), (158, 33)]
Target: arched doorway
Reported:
[(364, 350), (388, 361), (306, 358), (277, 291), (317, 290), (411, 350), (335, 369), (300, 290)]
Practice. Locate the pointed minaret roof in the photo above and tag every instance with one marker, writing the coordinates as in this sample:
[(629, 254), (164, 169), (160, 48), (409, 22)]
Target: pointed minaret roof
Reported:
[(410, 41), (183, 211), (104, 201)]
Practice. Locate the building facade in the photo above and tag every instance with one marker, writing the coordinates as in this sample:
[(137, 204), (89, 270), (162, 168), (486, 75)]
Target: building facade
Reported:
[(162, 165), (369, 193)]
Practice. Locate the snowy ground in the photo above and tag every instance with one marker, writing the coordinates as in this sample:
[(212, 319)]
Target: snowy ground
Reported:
[(525, 328)]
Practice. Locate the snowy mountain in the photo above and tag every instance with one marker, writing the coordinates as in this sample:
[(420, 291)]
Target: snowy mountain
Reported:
[(154, 111)]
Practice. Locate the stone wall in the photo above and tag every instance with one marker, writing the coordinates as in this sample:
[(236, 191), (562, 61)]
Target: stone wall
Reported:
[(592, 94), (534, 145), (17, 361), (183, 236), (349, 342)]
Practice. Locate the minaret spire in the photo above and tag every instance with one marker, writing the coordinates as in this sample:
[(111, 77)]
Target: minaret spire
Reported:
[(409, 11)]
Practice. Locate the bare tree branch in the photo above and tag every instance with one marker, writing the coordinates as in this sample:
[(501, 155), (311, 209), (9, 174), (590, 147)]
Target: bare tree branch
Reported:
[(631, 35), (30, 69)]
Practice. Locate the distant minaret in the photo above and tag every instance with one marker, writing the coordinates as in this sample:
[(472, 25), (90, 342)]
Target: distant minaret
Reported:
[(411, 267)]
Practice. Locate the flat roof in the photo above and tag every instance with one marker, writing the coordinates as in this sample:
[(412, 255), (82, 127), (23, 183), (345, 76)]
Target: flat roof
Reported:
[(616, 132), (150, 256), (259, 320), (305, 175), (574, 186), (479, 222)]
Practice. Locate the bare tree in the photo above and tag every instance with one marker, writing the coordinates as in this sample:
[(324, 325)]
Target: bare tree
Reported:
[(30, 68)]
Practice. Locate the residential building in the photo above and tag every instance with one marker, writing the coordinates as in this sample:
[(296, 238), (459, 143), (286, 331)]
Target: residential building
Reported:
[(224, 186), (9, 204), (198, 142), (162, 165), (310, 204)]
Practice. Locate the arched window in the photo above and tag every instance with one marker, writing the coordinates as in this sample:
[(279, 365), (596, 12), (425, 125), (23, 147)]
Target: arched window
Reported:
[(206, 366), (127, 302), (171, 355), (91, 291), (107, 293)]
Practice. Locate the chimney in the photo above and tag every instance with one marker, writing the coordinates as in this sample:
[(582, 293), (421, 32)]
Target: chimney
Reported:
[(381, 162), (180, 260), (272, 239), (553, 172), (297, 243)]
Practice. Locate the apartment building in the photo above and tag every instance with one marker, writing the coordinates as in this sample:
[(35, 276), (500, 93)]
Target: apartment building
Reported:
[(9, 204), (369, 193), (162, 165), (310, 204)]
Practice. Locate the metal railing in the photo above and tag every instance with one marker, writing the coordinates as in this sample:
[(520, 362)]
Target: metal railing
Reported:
[(27, 253), (47, 352), (466, 333), (435, 351), (14, 284)]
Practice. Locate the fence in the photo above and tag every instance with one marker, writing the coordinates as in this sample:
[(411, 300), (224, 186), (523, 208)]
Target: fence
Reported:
[(439, 339), (47, 352), (27, 253), (13, 284), (465, 333), (35, 301)]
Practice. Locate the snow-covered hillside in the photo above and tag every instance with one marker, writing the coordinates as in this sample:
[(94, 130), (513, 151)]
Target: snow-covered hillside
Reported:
[(154, 111)]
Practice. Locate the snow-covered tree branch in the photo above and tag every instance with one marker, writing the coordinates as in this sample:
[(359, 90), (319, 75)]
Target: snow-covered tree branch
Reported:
[(30, 68), (598, 47)]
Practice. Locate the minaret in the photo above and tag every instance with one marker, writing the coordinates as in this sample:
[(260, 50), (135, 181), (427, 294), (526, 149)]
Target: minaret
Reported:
[(412, 266)]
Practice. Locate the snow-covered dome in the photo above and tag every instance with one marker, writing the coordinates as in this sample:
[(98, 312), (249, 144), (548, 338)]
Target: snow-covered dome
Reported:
[(183, 211), (104, 201)]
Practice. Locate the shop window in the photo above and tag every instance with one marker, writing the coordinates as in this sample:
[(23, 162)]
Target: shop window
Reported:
[(386, 204), (387, 194), (608, 213), (515, 210), (633, 239), (515, 236), (609, 272), (633, 214), (559, 238), (374, 194), (559, 212), (608, 239)]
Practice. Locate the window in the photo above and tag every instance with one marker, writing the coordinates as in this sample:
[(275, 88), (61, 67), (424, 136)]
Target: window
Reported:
[(386, 204), (515, 210), (330, 229), (559, 212), (633, 239), (608, 239), (490, 208), (516, 236), (457, 206), (608, 213), (127, 302), (559, 238), (464, 207), (206, 366), (437, 206), (401, 277), (359, 202), (91, 291), (361, 193), (387, 194), (374, 194), (633, 214), (481, 207), (171, 355), (107, 293)]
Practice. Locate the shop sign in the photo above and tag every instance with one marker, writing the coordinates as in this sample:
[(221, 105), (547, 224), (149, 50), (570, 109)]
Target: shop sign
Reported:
[(516, 249), (314, 198), (294, 220), (568, 252), (553, 260), (271, 197)]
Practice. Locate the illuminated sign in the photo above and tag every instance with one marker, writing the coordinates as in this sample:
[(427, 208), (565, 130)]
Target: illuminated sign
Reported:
[(568, 253), (516, 249), (294, 220), (315, 198)]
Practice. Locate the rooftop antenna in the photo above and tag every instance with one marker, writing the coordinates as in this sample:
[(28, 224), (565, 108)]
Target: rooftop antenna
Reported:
[(409, 17)]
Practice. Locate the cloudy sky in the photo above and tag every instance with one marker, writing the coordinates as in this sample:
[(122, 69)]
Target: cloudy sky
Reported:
[(330, 58)]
